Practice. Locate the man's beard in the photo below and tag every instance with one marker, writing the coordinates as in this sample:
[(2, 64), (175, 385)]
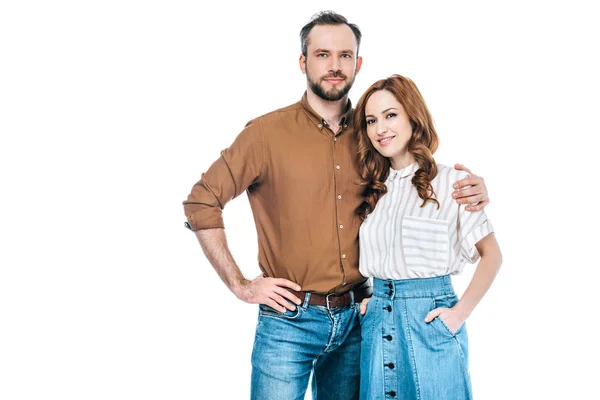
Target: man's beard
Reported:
[(333, 94)]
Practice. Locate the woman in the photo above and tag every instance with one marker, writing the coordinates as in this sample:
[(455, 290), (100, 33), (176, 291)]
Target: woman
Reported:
[(414, 342)]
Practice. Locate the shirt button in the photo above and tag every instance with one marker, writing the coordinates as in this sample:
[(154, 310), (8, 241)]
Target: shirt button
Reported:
[(337, 167), (335, 139), (341, 226), (344, 255), (339, 196)]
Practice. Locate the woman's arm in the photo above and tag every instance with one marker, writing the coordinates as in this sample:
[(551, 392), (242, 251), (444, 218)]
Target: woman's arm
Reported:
[(491, 259), (484, 275)]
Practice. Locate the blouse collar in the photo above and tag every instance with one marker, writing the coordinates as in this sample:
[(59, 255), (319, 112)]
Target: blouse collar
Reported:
[(404, 172)]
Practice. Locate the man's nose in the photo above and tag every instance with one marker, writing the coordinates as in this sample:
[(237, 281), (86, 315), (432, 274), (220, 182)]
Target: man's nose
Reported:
[(335, 65)]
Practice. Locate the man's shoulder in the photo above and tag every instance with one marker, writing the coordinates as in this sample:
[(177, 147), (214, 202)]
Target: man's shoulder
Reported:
[(276, 116), (263, 124)]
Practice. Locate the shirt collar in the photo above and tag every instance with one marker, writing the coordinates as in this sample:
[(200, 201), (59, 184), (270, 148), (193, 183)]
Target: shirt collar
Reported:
[(404, 172), (319, 121)]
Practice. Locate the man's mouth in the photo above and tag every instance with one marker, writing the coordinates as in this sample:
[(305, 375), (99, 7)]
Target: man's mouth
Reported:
[(334, 81)]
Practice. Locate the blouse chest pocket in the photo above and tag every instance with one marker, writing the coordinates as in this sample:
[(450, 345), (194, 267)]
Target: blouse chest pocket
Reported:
[(426, 244)]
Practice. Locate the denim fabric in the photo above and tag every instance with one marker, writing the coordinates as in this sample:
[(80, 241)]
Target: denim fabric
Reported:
[(289, 346), (402, 356)]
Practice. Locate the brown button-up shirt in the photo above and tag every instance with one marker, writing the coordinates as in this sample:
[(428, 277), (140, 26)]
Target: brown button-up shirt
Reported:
[(303, 188)]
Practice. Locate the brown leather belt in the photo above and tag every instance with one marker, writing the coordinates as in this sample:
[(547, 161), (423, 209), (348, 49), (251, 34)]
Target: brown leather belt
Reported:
[(335, 300)]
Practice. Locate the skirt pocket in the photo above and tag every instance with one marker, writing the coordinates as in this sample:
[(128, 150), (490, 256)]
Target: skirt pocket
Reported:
[(447, 301)]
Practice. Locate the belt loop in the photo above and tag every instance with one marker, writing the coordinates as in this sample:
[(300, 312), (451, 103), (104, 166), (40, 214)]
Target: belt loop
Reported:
[(306, 300), (352, 297)]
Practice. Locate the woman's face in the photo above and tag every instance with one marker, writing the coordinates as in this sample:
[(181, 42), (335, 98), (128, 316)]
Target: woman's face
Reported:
[(388, 125)]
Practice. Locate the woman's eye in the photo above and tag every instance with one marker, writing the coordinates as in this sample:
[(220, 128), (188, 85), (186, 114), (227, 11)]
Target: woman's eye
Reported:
[(391, 115), (370, 121)]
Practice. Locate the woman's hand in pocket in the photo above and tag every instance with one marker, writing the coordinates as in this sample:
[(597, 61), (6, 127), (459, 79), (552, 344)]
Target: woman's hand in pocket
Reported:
[(451, 317)]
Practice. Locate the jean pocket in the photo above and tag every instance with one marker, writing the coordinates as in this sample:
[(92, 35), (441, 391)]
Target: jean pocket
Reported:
[(266, 311), (360, 316), (369, 320), (426, 244)]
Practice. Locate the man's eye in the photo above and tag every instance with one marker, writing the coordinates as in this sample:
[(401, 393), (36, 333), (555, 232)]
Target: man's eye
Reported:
[(322, 55), (346, 56)]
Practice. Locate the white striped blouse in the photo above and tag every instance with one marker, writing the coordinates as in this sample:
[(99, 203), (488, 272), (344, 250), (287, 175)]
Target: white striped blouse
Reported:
[(401, 240)]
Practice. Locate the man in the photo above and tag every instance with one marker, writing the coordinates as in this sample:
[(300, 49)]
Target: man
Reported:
[(297, 165)]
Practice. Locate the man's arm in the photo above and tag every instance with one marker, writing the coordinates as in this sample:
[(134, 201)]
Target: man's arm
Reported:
[(269, 291), (240, 165), (476, 195)]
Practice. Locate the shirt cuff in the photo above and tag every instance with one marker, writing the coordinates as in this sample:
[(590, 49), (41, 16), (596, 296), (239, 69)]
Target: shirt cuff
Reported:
[(207, 219)]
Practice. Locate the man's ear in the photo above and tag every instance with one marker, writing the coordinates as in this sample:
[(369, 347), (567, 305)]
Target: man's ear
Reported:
[(358, 64), (302, 63)]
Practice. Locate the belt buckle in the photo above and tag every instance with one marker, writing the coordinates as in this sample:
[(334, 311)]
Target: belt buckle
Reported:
[(327, 301)]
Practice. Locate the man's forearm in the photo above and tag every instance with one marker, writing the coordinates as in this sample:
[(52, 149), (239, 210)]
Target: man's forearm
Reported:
[(214, 245)]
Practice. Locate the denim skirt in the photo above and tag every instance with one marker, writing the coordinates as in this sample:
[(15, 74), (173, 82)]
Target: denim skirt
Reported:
[(402, 356)]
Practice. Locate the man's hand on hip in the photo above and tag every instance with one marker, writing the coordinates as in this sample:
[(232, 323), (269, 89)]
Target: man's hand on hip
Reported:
[(269, 291)]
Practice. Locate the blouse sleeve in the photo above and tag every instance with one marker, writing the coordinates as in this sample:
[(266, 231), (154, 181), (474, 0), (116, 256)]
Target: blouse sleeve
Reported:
[(472, 227)]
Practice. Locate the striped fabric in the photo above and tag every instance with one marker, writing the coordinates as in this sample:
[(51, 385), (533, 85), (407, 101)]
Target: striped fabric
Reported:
[(401, 240)]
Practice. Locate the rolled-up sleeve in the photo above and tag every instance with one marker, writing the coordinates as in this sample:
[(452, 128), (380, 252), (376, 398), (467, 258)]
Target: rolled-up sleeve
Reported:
[(240, 166)]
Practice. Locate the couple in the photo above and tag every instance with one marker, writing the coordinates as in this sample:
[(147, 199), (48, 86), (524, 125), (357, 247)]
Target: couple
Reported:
[(318, 172)]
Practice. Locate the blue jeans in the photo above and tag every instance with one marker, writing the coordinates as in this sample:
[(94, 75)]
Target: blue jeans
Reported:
[(289, 346), (402, 356)]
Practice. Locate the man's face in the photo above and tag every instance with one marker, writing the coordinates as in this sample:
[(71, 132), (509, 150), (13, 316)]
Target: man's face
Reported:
[(331, 63)]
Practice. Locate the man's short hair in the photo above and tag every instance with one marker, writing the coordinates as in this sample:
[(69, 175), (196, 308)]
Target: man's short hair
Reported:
[(327, 18)]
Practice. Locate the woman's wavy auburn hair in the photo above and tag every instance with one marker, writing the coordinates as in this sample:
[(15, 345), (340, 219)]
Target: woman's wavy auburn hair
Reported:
[(375, 168)]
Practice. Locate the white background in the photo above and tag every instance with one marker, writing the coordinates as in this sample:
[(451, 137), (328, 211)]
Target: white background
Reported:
[(110, 111)]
